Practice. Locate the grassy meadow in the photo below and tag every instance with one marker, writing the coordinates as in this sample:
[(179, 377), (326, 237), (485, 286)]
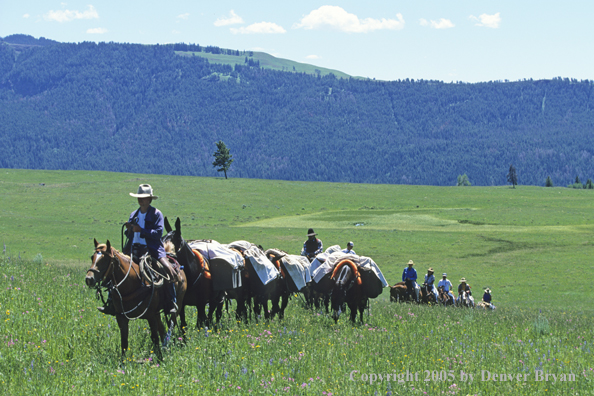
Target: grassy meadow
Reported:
[(530, 245)]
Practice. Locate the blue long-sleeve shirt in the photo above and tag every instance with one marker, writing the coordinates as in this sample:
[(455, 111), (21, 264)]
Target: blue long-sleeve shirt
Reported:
[(152, 231), (409, 273)]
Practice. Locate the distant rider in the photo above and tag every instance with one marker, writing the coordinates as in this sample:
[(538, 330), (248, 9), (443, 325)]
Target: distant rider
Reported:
[(464, 287), (429, 282), (349, 249), (446, 285), (313, 246), (487, 298), (409, 276)]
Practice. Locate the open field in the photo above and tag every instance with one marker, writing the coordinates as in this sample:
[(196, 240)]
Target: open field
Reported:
[(267, 61), (532, 246)]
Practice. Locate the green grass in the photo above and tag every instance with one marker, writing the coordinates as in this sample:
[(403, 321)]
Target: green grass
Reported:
[(267, 61), (53, 341), (532, 246)]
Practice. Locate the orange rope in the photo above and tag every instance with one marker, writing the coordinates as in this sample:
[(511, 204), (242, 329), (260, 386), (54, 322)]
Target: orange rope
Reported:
[(353, 268)]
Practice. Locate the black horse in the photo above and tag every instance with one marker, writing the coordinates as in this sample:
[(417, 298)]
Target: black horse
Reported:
[(200, 285), (349, 288)]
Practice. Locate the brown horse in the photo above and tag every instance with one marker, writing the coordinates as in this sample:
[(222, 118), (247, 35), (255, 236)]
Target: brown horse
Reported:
[(133, 297), (398, 292), (443, 298)]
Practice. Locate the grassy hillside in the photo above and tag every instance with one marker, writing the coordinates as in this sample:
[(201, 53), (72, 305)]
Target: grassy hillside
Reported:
[(531, 245), (267, 61)]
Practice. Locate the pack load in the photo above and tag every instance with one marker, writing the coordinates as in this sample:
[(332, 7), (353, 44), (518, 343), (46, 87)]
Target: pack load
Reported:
[(225, 264), (321, 258), (266, 271), (297, 268), (371, 276)]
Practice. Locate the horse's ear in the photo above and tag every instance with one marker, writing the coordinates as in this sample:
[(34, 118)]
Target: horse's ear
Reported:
[(96, 243), (108, 244), (167, 225), (178, 224)]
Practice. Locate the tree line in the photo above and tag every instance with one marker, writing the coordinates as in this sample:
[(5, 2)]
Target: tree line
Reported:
[(96, 106)]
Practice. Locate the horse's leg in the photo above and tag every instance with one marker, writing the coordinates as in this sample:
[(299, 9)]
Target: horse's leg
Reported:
[(123, 325), (285, 302), (353, 307), (157, 332), (362, 305), (256, 307), (202, 318)]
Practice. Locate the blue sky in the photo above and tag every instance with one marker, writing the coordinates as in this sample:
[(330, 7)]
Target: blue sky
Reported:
[(445, 40)]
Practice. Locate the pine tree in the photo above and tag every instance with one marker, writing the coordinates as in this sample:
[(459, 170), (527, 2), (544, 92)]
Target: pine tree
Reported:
[(548, 182), (222, 158), (512, 176), (463, 180)]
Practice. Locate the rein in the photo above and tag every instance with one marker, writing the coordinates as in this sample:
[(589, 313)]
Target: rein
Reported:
[(110, 272)]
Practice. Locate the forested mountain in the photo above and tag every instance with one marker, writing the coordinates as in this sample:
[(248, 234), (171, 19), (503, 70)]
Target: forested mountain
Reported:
[(140, 108)]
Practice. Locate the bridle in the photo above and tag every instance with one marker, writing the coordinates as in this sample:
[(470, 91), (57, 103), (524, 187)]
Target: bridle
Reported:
[(105, 281)]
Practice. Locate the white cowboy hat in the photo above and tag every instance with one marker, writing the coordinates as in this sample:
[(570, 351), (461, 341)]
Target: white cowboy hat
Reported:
[(410, 262), (463, 280), (144, 191), (487, 290)]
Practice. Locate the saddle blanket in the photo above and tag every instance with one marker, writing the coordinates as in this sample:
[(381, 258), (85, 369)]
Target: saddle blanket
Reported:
[(365, 263), (266, 271), (322, 257), (298, 269), (225, 264)]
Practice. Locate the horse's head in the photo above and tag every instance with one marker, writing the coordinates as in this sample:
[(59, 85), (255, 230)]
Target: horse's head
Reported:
[(173, 236), (102, 264)]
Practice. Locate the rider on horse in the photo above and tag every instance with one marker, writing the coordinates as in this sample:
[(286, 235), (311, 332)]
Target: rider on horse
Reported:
[(446, 285), (463, 287), (429, 282), (487, 298), (144, 230), (349, 249), (409, 276), (313, 246)]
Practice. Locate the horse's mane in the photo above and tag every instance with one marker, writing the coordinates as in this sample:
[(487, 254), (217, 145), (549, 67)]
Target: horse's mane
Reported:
[(113, 251)]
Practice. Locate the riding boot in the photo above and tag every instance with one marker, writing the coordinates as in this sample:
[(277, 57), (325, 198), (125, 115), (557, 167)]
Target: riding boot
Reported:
[(172, 299), (108, 308)]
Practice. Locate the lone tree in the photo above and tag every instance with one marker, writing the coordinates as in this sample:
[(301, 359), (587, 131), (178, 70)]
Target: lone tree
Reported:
[(463, 180), (222, 158), (549, 182), (512, 176)]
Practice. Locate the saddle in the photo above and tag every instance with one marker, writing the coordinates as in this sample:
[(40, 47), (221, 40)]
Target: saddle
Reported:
[(153, 273)]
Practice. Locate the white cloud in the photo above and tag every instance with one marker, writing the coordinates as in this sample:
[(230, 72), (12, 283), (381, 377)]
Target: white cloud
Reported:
[(97, 31), (68, 15), (490, 21), (441, 24), (175, 32), (183, 16), (337, 18), (233, 19), (26, 16), (260, 28), (313, 57)]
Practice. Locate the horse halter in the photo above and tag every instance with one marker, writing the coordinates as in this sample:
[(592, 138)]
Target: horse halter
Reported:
[(108, 271)]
